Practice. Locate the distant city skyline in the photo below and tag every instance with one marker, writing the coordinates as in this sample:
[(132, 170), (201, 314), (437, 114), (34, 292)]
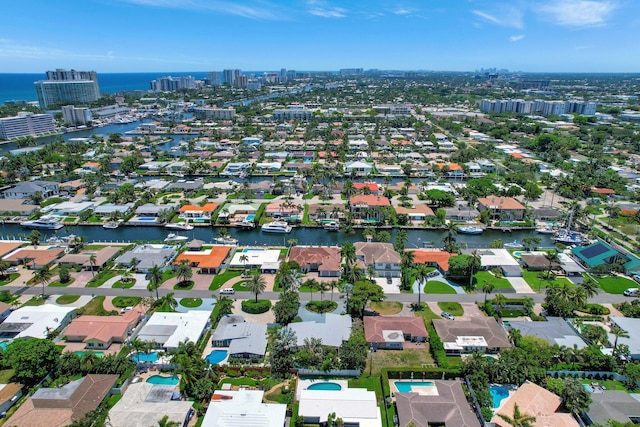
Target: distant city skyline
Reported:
[(111, 36)]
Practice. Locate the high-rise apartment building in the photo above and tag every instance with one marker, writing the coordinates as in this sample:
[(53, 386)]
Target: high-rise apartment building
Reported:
[(171, 84), (214, 78), (67, 87), (230, 76), (241, 82), (75, 115), (24, 124), (546, 108)]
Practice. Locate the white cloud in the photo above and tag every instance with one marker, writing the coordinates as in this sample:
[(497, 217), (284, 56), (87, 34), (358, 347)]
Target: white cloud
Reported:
[(505, 17), (579, 13), (263, 11), (324, 10), (516, 38), (403, 11)]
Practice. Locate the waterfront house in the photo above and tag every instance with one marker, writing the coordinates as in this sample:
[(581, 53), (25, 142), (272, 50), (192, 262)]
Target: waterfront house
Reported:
[(147, 256), (91, 260), (502, 208), (381, 256), (198, 213), (34, 258), (368, 207), (418, 212), (358, 168), (391, 332), (432, 257), (26, 190), (208, 261), (601, 253)]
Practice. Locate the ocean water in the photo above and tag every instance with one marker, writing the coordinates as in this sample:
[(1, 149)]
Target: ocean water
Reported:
[(20, 86)]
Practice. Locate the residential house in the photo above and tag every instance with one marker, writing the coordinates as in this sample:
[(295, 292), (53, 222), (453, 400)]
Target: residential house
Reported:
[(433, 258), (325, 260), (240, 408), (284, 210), (99, 332), (331, 329), (36, 258), (208, 261), (612, 405), (355, 406), (368, 187), (443, 404), (391, 332), (419, 212), (632, 326), (601, 253), (62, 406), (497, 258), (187, 186), (144, 404), (147, 256), (91, 260), (555, 331), (358, 168), (22, 207), (381, 256), (36, 321), (243, 339), (26, 190), (368, 207), (198, 213), (536, 402), (168, 330), (478, 334), (502, 208)]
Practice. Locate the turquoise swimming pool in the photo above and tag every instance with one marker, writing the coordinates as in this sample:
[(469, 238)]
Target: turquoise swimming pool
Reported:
[(407, 386), (325, 385), (82, 353), (498, 394), (144, 357), (250, 217), (159, 379), (216, 356)]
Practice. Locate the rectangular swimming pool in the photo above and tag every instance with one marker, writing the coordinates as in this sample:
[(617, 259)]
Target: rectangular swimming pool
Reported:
[(407, 386)]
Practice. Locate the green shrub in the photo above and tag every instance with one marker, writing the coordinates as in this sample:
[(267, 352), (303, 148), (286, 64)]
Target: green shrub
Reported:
[(253, 307)]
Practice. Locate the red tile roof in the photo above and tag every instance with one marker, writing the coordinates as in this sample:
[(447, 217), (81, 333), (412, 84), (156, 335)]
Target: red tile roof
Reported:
[(425, 256), (370, 200)]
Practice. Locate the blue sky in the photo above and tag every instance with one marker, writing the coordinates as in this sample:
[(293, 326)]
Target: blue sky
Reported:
[(203, 35)]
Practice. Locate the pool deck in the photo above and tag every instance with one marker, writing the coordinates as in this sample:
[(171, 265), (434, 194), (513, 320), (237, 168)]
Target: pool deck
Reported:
[(431, 390), (209, 348), (304, 383)]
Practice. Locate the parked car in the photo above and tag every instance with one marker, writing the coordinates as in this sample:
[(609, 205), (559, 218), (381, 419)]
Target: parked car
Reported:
[(125, 309), (13, 270), (227, 291), (636, 277), (632, 292), (447, 315), (434, 273), (389, 281)]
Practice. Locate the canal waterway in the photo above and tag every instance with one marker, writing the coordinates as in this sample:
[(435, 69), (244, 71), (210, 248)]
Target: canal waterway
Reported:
[(303, 236)]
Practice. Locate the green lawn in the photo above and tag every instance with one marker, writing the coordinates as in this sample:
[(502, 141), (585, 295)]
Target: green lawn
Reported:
[(168, 274), (386, 308), (240, 286), (100, 279), (531, 277), (452, 307), (95, 307), (239, 381), (615, 285), (11, 277), (125, 301), (437, 287), (184, 286), (34, 301), (59, 284), (5, 376), (222, 278), (121, 284), (609, 384), (191, 302), (426, 314), (67, 299), (484, 276)]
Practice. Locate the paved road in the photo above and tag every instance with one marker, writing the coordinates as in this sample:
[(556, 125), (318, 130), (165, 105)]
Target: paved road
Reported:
[(37, 290)]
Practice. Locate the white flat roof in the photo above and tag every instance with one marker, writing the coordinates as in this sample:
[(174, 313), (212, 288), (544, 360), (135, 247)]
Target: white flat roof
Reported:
[(353, 405), (179, 327), (495, 257), (42, 319), (244, 408), (256, 256), (135, 410)]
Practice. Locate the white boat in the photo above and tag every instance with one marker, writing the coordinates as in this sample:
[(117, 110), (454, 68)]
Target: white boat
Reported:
[(42, 224), (173, 237), (179, 226), (513, 245), (245, 224), (332, 226), (226, 240), (470, 229), (276, 227), (568, 237), (111, 225)]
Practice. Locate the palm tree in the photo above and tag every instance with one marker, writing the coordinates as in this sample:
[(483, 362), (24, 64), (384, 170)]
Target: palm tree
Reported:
[(618, 332), (244, 259), (184, 272), (138, 345), (42, 275), (500, 300), (406, 264), (475, 259), (348, 252), (155, 278), (164, 422), (34, 237), (422, 277), (257, 284), (590, 286), (553, 258), (519, 419), (92, 262), (487, 288), (170, 300), (332, 285)]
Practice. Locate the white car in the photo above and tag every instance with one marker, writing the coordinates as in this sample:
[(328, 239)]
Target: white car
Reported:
[(227, 291), (13, 270), (447, 315)]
